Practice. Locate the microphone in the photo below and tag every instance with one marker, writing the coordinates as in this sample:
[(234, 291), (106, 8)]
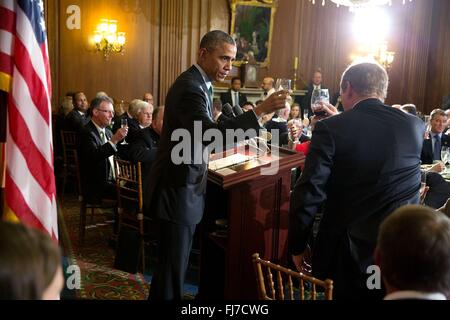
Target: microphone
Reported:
[(228, 110), (237, 111)]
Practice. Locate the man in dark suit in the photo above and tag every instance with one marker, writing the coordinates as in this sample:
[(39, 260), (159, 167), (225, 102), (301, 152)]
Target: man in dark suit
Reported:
[(413, 254), (97, 147), (234, 96), (176, 192), (144, 143), (305, 101), (77, 118), (437, 139), (362, 164)]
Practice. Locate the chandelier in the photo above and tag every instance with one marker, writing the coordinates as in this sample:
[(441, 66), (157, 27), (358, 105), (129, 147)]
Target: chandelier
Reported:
[(107, 40), (355, 4)]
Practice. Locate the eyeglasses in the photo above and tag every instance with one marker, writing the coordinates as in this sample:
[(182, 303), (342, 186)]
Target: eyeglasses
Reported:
[(107, 111)]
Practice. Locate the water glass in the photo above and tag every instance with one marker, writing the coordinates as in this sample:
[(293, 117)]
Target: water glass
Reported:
[(317, 97)]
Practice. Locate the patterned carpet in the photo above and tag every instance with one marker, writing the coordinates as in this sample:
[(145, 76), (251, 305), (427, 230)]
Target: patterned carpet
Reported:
[(99, 280)]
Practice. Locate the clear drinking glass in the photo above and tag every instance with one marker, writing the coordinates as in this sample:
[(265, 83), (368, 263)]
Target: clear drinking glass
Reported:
[(124, 124), (283, 84), (318, 96)]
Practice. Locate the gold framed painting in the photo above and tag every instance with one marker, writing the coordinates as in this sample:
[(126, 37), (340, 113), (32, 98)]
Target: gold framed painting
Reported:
[(252, 27)]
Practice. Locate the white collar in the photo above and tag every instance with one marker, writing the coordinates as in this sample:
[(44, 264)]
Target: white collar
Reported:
[(204, 76), (411, 294), (99, 129), (81, 113)]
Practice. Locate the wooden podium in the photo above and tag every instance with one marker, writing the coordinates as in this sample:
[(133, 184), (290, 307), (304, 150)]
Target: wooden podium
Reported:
[(255, 207)]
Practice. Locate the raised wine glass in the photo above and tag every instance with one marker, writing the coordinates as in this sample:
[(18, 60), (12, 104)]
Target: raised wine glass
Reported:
[(124, 124)]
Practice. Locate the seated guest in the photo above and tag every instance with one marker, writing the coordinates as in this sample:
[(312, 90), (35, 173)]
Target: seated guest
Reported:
[(30, 264), (140, 111), (279, 123), (143, 145), (431, 149), (413, 254), (233, 96), (78, 117), (132, 123), (97, 147), (148, 97), (295, 111)]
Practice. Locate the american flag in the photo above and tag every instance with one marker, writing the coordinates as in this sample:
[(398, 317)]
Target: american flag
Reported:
[(30, 193)]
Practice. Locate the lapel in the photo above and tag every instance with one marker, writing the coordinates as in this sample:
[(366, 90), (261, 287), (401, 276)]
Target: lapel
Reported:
[(204, 88)]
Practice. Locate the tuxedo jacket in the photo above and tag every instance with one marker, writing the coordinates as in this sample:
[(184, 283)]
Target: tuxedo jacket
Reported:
[(94, 164), (226, 98), (362, 164), (176, 191), (427, 149)]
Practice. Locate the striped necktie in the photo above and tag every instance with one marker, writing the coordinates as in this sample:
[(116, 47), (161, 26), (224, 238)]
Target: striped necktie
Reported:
[(112, 175)]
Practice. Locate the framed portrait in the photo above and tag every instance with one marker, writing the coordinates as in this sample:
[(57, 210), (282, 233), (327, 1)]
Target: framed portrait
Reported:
[(251, 27)]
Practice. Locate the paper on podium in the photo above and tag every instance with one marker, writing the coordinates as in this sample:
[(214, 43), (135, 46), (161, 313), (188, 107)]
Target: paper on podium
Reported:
[(229, 161)]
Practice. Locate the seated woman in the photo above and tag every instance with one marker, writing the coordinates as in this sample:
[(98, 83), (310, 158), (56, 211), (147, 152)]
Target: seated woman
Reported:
[(30, 264)]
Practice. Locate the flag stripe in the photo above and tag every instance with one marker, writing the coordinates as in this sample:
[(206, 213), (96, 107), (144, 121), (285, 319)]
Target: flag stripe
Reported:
[(6, 45), (30, 191), (37, 165), (33, 81), (8, 4), (6, 64), (33, 18), (25, 33), (8, 20), (18, 204), (40, 131)]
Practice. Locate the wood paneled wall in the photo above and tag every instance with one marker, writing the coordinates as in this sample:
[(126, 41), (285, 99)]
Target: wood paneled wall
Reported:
[(163, 36), (322, 37)]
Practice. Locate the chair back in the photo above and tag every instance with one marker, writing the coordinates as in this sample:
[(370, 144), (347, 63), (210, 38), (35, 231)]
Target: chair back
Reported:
[(69, 140), (275, 282), (129, 184)]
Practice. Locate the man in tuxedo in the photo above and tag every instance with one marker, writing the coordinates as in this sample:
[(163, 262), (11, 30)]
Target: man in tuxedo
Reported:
[(267, 86), (97, 147), (234, 96), (362, 165), (437, 139), (176, 193), (78, 117), (413, 254), (305, 101)]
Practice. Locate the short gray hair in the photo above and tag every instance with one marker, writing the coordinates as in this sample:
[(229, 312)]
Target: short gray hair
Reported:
[(367, 79), (136, 107), (212, 39)]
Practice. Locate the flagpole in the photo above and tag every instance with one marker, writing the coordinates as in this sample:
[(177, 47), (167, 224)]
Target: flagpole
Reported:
[(3, 97)]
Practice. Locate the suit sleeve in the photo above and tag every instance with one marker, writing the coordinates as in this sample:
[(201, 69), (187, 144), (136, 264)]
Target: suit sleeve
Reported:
[(140, 151), (310, 190), (195, 110), (91, 151)]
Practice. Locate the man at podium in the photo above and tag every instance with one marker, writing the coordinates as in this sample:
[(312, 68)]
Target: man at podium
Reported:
[(176, 192)]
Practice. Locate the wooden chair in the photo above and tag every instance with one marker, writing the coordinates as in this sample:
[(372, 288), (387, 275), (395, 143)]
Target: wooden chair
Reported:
[(69, 141), (282, 286), (95, 209), (130, 200)]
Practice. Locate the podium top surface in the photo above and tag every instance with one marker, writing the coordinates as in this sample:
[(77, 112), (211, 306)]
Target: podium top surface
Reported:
[(237, 166)]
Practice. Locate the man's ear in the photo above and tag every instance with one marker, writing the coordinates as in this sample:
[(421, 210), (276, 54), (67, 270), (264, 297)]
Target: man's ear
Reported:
[(202, 52)]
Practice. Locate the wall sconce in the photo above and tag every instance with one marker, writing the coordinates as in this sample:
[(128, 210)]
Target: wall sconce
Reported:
[(107, 40), (384, 57)]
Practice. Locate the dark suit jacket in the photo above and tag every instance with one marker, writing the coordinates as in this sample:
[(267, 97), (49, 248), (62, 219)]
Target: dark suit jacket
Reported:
[(94, 164), (362, 164), (74, 121), (305, 101), (226, 98), (178, 190), (143, 148), (427, 150)]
